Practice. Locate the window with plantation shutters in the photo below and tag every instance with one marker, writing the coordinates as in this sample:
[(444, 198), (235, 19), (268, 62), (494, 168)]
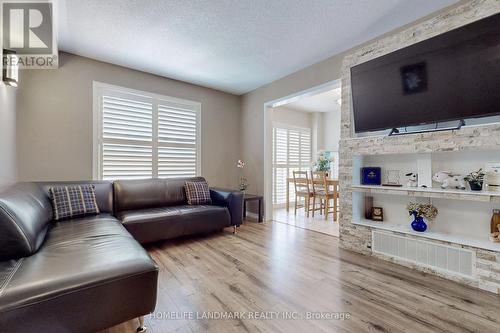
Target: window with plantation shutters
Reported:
[(177, 140), (291, 152), (142, 135)]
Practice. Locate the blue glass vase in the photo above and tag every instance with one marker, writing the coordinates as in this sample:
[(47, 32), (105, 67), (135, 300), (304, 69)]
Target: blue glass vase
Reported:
[(418, 223)]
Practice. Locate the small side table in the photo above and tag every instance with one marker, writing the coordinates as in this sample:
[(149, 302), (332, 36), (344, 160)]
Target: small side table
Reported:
[(253, 197)]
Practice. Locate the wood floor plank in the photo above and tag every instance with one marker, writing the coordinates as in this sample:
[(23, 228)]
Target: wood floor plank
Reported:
[(278, 268)]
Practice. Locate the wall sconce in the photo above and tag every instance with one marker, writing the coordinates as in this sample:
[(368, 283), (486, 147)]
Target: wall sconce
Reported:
[(10, 68)]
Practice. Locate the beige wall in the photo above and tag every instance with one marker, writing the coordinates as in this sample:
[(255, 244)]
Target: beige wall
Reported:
[(7, 135), (253, 112), (330, 123), (54, 119), (284, 115)]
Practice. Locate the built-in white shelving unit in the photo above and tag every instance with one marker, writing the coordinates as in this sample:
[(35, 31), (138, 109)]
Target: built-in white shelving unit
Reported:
[(464, 215)]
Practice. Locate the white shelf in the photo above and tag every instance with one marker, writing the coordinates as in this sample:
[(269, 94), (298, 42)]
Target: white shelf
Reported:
[(477, 242), (452, 194)]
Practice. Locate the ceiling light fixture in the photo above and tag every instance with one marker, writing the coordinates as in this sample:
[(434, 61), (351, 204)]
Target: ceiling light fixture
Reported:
[(11, 68)]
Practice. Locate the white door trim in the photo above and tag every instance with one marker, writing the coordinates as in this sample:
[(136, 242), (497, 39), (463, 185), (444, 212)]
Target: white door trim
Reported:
[(268, 134)]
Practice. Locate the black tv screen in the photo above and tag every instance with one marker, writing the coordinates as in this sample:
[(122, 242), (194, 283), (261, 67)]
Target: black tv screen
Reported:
[(452, 76)]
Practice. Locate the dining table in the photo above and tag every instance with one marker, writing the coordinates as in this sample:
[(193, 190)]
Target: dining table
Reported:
[(329, 181)]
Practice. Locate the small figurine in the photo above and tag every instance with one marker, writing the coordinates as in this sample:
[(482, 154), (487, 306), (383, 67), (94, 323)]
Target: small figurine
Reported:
[(412, 179), (449, 180)]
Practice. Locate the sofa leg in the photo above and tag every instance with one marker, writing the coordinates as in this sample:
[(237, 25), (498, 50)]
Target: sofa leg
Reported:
[(234, 229), (141, 327)]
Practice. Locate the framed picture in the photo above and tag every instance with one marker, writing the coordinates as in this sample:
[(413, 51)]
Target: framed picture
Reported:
[(371, 176), (377, 214)]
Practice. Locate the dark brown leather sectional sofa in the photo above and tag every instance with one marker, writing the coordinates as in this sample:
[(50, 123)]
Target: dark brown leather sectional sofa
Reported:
[(90, 273), (153, 210)]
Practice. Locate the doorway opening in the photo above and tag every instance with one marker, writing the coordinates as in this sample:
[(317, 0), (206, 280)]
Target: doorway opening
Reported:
[(302, 136)]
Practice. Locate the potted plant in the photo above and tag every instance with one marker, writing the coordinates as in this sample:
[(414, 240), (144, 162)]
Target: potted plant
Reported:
[(475, 180), (419, 211), (322, 163)]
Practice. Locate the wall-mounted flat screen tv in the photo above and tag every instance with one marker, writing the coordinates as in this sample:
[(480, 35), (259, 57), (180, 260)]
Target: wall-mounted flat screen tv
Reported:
[(452, 76)]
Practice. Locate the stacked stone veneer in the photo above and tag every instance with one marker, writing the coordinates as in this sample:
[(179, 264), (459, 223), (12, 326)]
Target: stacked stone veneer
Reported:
[(487, 137)]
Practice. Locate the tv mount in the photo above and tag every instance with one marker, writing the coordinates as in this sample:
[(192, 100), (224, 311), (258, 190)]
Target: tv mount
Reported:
[(461, 122)]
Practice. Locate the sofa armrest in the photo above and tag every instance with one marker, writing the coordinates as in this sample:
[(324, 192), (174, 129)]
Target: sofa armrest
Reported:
[(231, 199)]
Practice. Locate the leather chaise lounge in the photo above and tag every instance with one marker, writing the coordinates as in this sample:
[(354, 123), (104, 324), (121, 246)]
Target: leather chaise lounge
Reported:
[(90, 273)]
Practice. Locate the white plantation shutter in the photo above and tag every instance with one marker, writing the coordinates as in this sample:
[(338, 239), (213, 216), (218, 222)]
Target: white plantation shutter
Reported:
[(141, 135), (305, 149), (281, 146), (176, 162), (178, 137), (177, 124), (126, 161), (127, 136), (293, 147), (291, 151), (127, 118)]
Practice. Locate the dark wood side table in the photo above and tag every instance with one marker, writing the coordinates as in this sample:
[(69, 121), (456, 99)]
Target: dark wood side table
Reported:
[(253, 197)]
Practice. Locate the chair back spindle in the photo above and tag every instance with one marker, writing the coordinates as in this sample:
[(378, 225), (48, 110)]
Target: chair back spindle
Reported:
[(301, 182)]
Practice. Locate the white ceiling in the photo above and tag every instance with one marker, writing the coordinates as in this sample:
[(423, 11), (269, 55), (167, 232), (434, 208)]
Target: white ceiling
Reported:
[(322, 102), (230, 45)]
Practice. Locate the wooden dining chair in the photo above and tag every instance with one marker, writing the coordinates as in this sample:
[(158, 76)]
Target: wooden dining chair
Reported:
[(319, 190), (302, 190), (325, 193)]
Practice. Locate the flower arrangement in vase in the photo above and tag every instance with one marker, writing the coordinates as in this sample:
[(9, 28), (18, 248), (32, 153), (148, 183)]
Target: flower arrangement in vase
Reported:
[(419, 212), (475, 180), (243, 181), (322, 163)]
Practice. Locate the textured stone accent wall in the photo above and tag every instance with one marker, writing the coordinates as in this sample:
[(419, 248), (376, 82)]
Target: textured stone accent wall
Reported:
[(487, 137)]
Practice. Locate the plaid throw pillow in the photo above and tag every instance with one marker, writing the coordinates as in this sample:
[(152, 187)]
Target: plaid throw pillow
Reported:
[(73, 201), (197, 193)]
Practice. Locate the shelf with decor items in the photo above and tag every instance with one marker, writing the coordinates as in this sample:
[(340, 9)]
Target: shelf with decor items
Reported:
[(464, 221), (451, 194), (463, 215)]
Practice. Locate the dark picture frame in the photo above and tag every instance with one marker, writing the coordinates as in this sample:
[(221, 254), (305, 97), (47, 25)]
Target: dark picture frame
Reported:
[(377, 214)]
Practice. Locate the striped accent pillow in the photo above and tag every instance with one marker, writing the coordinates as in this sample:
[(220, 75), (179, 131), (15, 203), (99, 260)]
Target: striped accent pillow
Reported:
[(73, 201), (198, 193)]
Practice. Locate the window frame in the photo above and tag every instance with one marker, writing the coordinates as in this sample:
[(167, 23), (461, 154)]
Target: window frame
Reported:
[(99, 88)]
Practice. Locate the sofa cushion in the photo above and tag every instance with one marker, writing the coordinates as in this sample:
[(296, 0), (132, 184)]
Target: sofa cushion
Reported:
[(73, 201), (150, 193), (25, 213), (198, 193), (154, 224), (103, 191), (90, 265)]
